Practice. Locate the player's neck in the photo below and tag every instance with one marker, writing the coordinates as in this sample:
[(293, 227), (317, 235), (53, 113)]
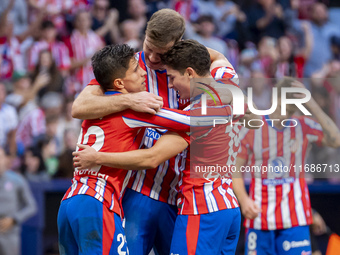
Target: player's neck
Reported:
[(200, 83), (123, 91)]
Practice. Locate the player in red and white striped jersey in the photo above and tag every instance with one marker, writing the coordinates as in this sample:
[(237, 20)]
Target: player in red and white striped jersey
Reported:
[(116, 132), (279, 200), (153, 188), (199, 197)]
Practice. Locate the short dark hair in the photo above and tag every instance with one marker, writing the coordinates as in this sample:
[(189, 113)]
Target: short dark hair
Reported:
[(188, 53), (165, 26), (110, 63)]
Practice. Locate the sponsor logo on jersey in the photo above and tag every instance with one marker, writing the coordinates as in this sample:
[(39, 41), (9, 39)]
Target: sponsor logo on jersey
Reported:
[(90, 172), (286, 245), (153, 134)]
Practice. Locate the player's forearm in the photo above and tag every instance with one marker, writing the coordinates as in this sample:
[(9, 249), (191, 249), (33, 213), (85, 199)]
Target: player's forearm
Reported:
[(330, 129), (92, 104), (218, 59), (131, 160), (238, 183), (239, 188), (168, 146)]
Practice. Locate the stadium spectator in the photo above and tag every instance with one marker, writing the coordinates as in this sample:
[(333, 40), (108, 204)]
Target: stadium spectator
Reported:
[(9, 123), (224, 13), (33, 167), (82, 44), (131, 34), (54, 9), (137, 12), (48, 147), (322, 32), (10, 53), (66, 168), (268, 56), (48, 41), (32, 123), (46, 67), (17, 205), (18, 14), (205, 30), (187, 9), (265, 18), (105, 21)]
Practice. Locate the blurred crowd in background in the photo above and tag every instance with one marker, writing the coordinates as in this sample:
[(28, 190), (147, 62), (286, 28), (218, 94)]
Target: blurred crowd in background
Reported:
[(46, 48)]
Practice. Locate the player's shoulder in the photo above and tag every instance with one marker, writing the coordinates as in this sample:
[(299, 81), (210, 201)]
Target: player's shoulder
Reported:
[(308, 122), (225, 74), (107, 122)]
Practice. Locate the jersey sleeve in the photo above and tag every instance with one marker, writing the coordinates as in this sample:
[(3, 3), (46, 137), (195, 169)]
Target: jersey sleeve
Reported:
[(93, 82), (175, 120), (215, 114), (226, 75), (312, 129)]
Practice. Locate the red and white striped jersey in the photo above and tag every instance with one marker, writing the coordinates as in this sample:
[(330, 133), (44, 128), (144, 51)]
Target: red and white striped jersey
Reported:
[(282, 195), (117, 133), (82, 47), (11, 58), (201, 189), (225, 75), (59, 52), (159, 183)]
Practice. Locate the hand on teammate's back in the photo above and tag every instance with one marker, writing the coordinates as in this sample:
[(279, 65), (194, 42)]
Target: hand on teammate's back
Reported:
[(249, 209), (146, 102)]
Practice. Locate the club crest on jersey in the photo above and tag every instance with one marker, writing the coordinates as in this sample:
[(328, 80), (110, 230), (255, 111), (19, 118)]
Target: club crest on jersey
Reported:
[(211, 176), (294, 145)]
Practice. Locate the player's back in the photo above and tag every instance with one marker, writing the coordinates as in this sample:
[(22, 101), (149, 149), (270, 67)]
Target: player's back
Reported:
[(108, 134)]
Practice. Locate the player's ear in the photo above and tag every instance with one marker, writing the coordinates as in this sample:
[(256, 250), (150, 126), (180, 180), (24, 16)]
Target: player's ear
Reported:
[(190, 72), (118, 83)]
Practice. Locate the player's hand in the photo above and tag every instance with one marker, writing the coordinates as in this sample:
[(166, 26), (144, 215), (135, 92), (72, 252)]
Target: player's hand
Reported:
[(84, 158), (249, 209), (146, 102), (6, 224)]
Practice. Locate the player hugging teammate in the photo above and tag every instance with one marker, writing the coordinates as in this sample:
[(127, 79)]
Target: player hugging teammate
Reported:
[(149, 198)]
